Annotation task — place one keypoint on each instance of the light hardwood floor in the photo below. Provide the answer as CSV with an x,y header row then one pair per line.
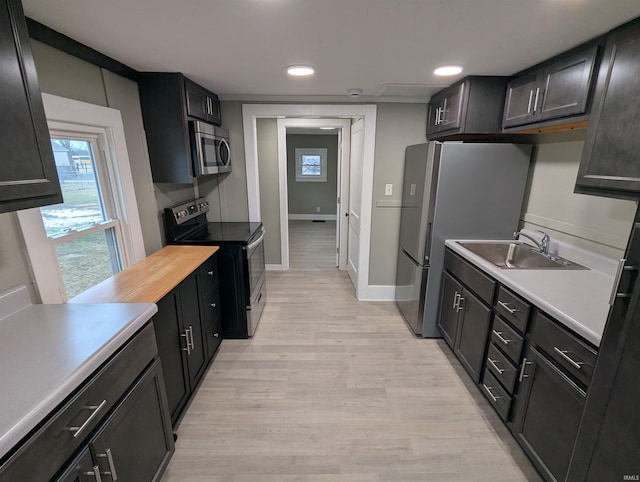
x,y
333,389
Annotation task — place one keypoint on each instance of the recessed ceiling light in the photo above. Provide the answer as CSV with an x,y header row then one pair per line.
x,y
327,128
300,70
447,70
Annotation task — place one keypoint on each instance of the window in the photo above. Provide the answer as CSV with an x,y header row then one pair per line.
x,y
84,229
96,231
311,165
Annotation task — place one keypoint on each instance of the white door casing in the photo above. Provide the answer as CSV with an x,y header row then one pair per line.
x,y
368,112
355,204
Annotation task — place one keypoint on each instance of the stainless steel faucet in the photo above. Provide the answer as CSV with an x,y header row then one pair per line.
x,y
543,245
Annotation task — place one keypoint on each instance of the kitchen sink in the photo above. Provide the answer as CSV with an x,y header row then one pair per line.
x,y
519,256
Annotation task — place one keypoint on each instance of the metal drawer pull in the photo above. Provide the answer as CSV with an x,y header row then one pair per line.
x,y
95,473
530,100
493,397
216,335
506,307
493,364
563,353
524,367
535,104
190,330
213,305
210,273
96,409
112,467
501,338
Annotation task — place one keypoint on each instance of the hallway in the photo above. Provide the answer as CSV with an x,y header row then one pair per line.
x,y
331,388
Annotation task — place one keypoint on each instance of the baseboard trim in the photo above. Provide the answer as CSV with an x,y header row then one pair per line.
x,y
311,217
379,293
274,267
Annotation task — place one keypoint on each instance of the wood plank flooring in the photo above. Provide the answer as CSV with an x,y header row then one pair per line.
x,y
333,389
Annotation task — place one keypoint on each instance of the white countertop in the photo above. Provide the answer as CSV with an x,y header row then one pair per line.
x,y
47,351
579,299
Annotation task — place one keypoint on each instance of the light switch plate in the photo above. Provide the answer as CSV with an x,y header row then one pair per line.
x,y
388,189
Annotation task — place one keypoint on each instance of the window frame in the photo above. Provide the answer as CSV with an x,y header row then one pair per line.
x,y
300,152
67,117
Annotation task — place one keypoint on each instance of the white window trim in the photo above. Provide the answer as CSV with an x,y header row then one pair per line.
x,y
305,151
71,115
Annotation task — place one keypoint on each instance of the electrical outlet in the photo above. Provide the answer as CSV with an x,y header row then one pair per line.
x,y
388,189
317,209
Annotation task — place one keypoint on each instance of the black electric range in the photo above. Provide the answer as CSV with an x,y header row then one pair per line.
x,y
241,264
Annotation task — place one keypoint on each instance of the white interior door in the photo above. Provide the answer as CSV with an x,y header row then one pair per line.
x,y
355,195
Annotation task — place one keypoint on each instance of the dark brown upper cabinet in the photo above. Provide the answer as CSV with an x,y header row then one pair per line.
x,y
556,89
28,177
609,164
472,106
169,101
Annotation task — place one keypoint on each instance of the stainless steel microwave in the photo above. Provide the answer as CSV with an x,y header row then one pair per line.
x,y
210,148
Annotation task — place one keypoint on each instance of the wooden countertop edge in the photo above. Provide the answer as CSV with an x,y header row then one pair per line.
x,y
149,280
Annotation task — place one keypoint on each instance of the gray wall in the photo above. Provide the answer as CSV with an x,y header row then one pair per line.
x,y
595,223
267,140
398,126
304,197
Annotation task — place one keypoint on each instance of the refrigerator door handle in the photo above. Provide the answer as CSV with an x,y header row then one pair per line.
x,y
427,249
411,260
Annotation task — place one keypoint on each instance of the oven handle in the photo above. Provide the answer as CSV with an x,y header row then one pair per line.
x,y
255,243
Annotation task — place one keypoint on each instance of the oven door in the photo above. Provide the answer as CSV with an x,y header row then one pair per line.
x,y
255,262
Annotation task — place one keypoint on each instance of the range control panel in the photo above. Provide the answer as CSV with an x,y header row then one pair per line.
x,y
189,210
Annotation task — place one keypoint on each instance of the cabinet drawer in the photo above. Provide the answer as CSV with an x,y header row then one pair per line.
x,y
496,395
575,356
478,282
502,368
54,443
507,339
512,308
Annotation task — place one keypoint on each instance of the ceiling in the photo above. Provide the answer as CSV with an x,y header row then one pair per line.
x,y
388,48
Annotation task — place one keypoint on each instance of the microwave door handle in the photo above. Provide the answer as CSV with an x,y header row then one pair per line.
x,y
226,145
198,162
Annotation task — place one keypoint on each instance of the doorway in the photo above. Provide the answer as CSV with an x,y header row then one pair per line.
x,y
306,113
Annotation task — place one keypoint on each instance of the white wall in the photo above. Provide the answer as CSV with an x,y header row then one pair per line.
x,y
594,223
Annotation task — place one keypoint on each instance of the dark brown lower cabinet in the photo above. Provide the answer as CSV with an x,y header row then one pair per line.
x,y
134,443
547,415
448,316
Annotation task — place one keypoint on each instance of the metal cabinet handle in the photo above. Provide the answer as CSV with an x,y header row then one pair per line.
x,y
112,467
456,298
530,100
493,364
501,338
95,473
186,337
96,409
507,307
190,330
522,370
213,305
493,397
563,354
460,304
216,335
616,282
210,273
535,103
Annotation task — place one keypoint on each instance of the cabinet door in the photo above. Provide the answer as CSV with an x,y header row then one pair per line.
x,y
28,176
197,101
192,324
565,88
449,308
473,331
518,105
136,442
452,108
81,469
548,415
610,156
171,340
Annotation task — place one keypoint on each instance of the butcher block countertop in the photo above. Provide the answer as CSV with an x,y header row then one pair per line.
x,y
149,280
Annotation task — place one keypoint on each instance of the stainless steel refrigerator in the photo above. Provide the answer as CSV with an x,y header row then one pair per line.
x,y
452,190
